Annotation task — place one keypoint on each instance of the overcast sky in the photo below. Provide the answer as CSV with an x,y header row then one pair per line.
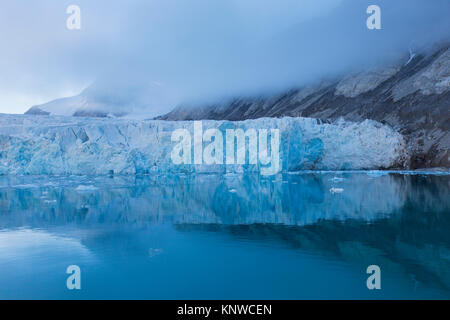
x,y
200,49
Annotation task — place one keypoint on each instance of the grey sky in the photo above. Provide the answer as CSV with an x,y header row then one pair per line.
x,y
200,49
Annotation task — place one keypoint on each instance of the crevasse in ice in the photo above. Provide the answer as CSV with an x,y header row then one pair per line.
x,y
68,145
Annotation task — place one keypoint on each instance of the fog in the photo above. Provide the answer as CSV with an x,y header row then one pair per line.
x,y
200,50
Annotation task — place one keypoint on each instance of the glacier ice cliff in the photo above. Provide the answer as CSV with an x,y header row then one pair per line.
x,y
69,145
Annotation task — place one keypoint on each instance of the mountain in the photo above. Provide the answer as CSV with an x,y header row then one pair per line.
x,y
412,97
106,98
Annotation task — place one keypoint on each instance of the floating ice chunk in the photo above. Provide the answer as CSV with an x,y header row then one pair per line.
x,y
377,173
336,190
154,252
337,179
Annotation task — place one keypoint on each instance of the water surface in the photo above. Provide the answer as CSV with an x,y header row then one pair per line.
x,y
292,236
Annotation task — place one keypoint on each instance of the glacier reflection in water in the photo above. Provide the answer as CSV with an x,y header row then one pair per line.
x,y
307,235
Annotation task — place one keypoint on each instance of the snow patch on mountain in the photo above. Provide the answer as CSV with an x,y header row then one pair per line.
x,y
355,85
106,98
435,79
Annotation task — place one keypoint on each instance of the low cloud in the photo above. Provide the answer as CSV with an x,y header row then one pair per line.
x,y
200,50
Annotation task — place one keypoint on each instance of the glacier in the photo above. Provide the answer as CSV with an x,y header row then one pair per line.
x,y
59,145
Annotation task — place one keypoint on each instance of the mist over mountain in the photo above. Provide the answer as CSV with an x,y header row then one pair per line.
x,y
136,97
411,96
201,51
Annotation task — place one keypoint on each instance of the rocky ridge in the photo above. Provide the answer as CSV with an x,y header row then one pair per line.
x,y
412,97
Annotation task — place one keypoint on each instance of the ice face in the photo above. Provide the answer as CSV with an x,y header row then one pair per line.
x,y
68,145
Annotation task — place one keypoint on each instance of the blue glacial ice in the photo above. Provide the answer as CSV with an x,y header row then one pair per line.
x,y
58,145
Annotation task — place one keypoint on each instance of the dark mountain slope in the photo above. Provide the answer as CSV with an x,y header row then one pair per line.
x,y
412,97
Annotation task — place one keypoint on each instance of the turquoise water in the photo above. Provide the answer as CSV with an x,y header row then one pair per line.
x,y
293,236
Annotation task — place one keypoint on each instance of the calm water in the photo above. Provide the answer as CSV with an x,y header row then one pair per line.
x,y
302,236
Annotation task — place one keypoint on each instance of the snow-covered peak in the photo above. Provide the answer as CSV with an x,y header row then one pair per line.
x,y
106,98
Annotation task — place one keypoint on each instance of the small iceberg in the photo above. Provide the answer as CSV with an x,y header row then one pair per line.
x,y
336,190
154,252
377,173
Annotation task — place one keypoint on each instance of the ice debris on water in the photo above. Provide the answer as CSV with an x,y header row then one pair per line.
x,y
376,173
337,179
336,190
